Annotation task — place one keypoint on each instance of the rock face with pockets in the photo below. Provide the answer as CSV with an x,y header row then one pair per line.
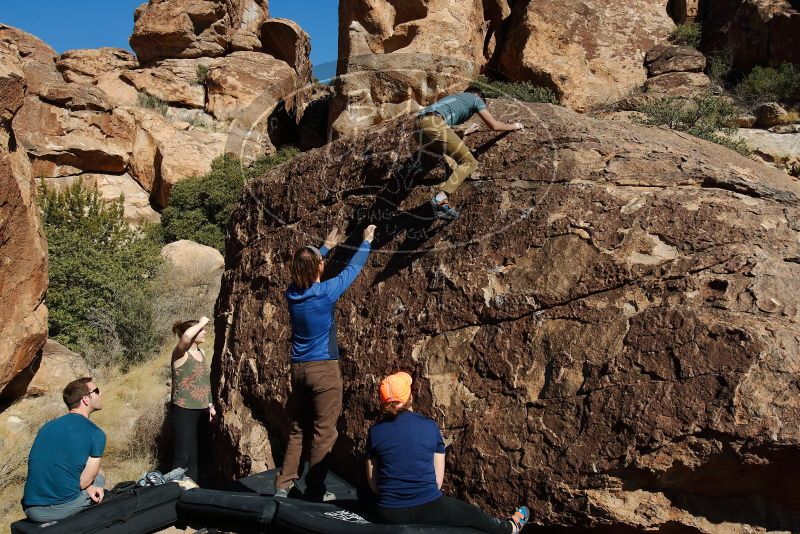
x,y
589,53
395,56
609,333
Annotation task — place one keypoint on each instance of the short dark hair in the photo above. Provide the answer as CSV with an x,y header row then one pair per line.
x,y
304,267
179,327
75,391
475,90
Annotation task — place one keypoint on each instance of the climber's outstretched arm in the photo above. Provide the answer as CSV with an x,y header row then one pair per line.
x,y
496,125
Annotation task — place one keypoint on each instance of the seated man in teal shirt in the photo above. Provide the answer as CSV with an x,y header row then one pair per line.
x,y
434,123
64,463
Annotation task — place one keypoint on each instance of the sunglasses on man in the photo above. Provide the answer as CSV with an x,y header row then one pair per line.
x,y
96,391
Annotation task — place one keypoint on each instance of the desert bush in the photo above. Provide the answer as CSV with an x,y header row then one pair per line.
x,y
688,34
148,101
101,292
201,73
767,84
200,208
523,91
719,68
704,116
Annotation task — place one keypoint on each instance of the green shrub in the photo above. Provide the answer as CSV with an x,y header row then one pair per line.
x,y
148,101
202,74
767,84
200,208
719,68
705,116
101,292
523,91
688,34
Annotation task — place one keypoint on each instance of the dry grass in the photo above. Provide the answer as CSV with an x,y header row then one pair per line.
x,y
134,406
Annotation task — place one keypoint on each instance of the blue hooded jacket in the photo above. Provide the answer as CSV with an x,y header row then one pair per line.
x,y
313,310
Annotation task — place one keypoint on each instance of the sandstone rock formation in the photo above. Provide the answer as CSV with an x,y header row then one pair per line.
x,y
57,367
666,58
187,256
100,116
609,333
590,53
191,29
87,65
285,40
198,269
23,250
396,56
779,149
771,114
755,32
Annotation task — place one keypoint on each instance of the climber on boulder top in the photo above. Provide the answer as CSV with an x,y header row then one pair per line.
x,y
435,134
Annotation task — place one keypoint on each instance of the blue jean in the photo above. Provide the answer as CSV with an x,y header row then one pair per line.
x,y
55,512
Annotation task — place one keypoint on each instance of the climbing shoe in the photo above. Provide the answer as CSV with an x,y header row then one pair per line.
x,y
442,210
520,518
284,492
317,497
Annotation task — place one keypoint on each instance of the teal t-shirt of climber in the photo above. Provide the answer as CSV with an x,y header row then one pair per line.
x,y
456,108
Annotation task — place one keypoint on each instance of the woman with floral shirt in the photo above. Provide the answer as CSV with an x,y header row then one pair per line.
x,y
191,392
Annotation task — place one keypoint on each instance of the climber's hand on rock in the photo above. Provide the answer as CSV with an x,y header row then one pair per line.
x,y
332,238
519,126
369,233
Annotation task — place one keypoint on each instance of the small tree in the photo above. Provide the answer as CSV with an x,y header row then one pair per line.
x,y
200,208
688,34
523,91
705,116
100,293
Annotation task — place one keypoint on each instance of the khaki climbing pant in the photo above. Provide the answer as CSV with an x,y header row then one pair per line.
x,y
436,136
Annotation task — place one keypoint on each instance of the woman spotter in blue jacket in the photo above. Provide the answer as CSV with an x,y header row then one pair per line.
x,y
315,402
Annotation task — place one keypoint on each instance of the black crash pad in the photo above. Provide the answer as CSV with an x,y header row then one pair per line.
x,y
136,511
264,484
343,517
225,509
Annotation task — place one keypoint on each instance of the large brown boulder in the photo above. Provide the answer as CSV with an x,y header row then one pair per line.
x,y
33,56
57,367
589,53
63,142
285,40
174,81
89,64
23,262
666,58
397,56
753,32
196,28
162,155
609,333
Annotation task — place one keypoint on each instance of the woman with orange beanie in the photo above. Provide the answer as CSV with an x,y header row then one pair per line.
x,y
405,468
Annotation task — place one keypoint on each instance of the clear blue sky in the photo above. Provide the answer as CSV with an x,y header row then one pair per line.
x,y
68,24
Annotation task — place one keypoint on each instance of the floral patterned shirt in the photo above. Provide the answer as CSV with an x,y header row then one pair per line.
x,y
191,383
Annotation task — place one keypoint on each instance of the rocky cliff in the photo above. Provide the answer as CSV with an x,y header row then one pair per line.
x,y
609,333
752,32
208,78
397,56
211,77
23,250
